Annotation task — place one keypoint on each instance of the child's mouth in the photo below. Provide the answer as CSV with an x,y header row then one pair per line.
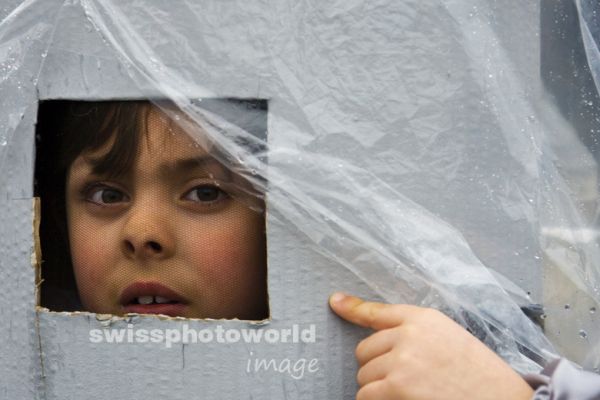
x,y
145,300
152,298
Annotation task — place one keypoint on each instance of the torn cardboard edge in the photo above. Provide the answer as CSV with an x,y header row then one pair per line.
x,y
36,256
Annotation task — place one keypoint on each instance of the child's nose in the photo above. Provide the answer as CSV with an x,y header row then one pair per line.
x,y
146,234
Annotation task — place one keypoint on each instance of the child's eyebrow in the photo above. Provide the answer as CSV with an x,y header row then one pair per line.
x,y
206,163
184,164
167,169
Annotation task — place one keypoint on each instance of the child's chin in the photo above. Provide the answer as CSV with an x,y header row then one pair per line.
x,y
170,309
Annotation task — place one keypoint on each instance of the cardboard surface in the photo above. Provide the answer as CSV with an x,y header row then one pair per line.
x,y
411,91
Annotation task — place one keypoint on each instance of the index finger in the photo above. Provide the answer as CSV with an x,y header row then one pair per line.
x,y
369,314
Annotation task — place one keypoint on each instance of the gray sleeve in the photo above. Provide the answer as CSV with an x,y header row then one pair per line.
x,y
561,380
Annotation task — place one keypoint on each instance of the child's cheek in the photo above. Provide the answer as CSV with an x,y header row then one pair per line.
x,y
90,256
229,254
220,257
85,262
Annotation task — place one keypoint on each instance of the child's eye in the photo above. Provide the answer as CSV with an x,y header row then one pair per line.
x,y
105,195
205,194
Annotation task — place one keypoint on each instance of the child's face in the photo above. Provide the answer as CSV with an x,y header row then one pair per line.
x,y
168,232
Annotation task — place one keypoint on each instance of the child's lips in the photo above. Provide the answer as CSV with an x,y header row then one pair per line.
x,y
152,298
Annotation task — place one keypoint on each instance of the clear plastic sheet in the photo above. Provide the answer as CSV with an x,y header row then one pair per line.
x,y
421,151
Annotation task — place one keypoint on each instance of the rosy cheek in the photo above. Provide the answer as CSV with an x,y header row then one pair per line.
x,y
85,266
89,264
228,257
216,260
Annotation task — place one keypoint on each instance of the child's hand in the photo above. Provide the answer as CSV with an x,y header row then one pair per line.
x,y
419,353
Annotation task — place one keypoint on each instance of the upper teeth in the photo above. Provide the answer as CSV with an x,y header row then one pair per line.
x,y
152,299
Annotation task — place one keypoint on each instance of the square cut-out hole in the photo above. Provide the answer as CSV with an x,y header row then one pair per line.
x,y
142,210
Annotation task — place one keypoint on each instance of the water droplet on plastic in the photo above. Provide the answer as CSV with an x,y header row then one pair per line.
x,y
543,316
3,142
582,334
567,306
592,310
44,54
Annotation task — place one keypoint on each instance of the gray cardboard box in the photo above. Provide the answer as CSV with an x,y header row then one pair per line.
x,y
415,155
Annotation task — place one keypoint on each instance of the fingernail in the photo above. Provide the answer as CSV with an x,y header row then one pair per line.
x,y
337,297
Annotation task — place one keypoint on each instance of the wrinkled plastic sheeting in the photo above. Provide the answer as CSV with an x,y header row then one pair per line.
x,y
416,145
589,17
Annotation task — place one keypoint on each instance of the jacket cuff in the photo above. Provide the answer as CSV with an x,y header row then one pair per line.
x,y
561,380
